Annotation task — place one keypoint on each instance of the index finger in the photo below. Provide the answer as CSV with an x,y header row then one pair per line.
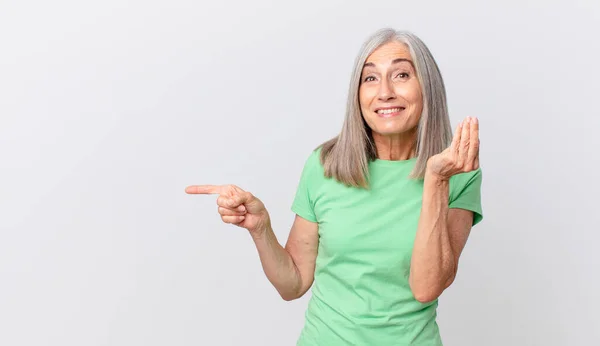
x,y
456,138
203,189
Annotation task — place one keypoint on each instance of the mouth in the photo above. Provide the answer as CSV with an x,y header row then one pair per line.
x,y
389,112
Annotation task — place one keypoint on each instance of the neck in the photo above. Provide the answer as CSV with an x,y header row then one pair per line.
x,y
395,147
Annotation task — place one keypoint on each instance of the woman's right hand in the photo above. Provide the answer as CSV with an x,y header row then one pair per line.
x,y
237,207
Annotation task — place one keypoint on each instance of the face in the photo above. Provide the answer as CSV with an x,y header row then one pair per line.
x,y
390,94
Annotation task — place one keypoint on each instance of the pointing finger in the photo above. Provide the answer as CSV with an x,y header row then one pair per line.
x,y
204,189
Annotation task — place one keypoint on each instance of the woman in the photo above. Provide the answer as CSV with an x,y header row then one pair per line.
x,y
383,210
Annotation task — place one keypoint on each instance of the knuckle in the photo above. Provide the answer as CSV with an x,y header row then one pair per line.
x,y
235,188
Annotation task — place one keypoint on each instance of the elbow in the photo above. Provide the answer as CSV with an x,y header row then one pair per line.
x,y
288,297
426,296
427,293
293,292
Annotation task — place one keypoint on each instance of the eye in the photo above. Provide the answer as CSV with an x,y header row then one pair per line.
x,y
403,75
369,79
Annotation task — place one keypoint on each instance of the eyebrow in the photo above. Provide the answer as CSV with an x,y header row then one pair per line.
x,y
396,61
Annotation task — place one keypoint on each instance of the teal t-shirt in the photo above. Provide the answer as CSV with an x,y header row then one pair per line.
x,y
361,295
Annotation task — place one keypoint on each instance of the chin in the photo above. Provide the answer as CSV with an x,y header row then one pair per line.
x,y
392,126
393,130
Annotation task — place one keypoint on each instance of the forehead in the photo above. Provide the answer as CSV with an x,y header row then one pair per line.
x,y
389,52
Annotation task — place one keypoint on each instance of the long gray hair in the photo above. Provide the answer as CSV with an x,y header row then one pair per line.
x,y
346,157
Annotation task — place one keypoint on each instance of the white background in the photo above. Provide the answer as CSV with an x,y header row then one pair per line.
x,y
109,109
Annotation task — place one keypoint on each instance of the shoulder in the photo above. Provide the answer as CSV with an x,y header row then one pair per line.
x,y
314,160
312,168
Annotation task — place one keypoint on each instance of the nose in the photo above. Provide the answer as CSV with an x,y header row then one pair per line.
x,y
386,91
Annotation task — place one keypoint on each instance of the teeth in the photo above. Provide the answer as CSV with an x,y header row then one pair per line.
x,y
388,111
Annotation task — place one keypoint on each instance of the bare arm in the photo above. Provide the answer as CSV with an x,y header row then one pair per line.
x,y
290,269
443,232
440,239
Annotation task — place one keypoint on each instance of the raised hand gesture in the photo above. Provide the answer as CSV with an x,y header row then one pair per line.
x,y
461,156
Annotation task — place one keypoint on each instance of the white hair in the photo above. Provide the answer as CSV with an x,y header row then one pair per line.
x,y
346,156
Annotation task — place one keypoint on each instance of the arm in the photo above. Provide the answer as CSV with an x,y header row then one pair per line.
x,y
443,232
290,269
441,237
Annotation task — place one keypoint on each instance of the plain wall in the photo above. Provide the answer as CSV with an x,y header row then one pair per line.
x,y
110,109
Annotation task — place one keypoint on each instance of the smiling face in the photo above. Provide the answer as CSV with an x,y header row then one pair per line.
x,y
390,94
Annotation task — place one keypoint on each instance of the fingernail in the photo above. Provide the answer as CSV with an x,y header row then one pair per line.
x,y
475,121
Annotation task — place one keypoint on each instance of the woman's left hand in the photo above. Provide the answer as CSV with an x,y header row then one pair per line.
x,y
461,156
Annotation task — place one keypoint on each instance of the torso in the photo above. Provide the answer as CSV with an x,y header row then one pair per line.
x,y
361,294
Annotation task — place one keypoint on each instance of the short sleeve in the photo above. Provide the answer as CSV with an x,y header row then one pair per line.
x,y
303,203
465,193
